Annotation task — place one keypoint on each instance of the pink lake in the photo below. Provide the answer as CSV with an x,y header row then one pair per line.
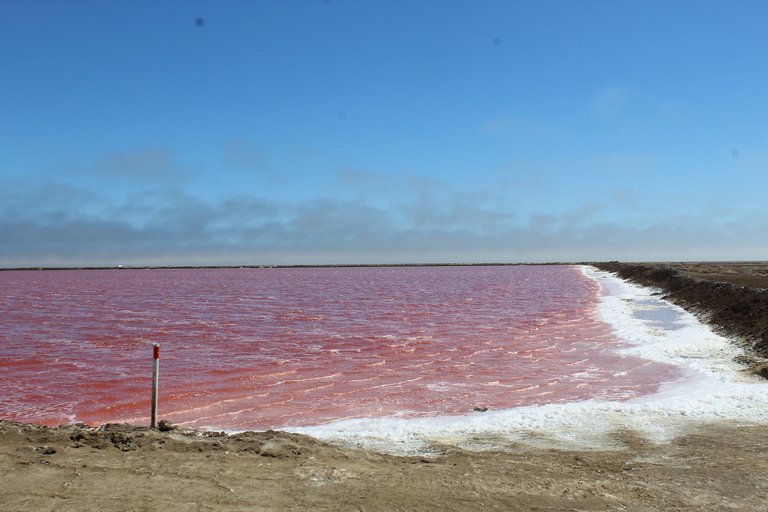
x,y
246,349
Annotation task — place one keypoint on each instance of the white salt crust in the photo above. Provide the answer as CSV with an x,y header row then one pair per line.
x,y
714,387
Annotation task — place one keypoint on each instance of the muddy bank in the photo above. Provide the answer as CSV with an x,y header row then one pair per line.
x,y
735,311
717,466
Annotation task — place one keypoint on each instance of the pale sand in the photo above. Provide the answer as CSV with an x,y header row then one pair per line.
x,y
720,466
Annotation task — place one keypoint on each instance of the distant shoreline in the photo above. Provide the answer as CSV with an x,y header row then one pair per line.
x,y
328,265
680,265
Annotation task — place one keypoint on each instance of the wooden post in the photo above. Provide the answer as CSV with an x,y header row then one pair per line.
x,y
155,368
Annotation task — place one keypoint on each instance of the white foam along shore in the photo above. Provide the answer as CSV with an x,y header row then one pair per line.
x,y
715,387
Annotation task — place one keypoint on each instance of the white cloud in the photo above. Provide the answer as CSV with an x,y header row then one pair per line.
x,y
173,227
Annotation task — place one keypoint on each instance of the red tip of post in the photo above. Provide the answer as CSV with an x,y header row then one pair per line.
x,y
157,352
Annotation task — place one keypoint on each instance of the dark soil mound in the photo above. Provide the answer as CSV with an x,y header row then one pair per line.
x,y
735,311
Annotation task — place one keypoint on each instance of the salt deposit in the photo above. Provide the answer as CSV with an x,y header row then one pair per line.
x,y
713,387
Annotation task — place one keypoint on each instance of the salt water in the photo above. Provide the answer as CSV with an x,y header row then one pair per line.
x,y
392,358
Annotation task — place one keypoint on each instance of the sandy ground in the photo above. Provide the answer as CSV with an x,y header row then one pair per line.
x,y
719,466
740,273
714,466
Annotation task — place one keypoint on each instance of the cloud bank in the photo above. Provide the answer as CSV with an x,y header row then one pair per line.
x,y
63,225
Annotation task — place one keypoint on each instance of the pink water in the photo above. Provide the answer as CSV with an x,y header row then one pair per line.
x,y
266,348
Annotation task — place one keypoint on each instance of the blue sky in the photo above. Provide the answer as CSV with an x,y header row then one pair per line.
x,y
355,131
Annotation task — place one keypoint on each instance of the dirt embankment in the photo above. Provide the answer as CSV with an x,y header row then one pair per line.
x,y
717,466
733,310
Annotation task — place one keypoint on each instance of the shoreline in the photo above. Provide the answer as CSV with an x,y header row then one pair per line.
x,y
332,265
745,273
734,311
